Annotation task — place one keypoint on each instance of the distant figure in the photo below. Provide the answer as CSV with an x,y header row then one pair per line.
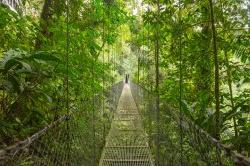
x,y
126,78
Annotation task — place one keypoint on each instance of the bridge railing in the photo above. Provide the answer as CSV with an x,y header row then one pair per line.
x,y
197,146
73,139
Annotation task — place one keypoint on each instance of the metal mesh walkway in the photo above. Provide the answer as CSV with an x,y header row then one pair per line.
x,y
126,144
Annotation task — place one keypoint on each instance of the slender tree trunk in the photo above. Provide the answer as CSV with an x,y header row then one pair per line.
x,y
216,74
44,23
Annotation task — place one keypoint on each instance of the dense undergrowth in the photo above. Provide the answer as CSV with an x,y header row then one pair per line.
x,y
36,76
208,68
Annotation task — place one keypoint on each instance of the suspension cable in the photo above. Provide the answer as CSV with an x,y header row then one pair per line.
x,y
148,42
157,52
138,48
143,48
67,79
180,81
67,57
103,80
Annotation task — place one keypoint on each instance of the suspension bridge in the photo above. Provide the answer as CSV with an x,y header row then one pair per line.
x,y
133,131
127,143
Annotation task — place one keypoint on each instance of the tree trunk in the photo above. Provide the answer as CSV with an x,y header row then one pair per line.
x,y
216,74
204,66
44,23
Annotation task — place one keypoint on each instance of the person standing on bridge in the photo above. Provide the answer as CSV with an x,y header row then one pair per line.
x,y
126,78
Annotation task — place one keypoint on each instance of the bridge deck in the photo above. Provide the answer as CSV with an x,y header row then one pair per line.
x,y
126,143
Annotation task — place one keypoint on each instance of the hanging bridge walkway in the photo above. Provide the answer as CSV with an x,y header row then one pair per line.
x,y
128,137
127,143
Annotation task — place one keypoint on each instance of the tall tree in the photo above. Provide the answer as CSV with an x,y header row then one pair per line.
x,y
46,15
216,73
204,63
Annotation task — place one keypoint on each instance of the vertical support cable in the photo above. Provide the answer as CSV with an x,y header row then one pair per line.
x,y
143,56
67,82
148,42
149,100
137,43
143,48
113,71
113,61
108,36
157,52
67,59
180,82
93,113
103,81
138,69
93,120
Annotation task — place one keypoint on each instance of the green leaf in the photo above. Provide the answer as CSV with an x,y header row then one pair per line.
x,y
18,120
15,84
12,63
46,56
26,66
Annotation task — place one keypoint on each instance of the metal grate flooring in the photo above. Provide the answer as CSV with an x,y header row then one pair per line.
x,y
126,143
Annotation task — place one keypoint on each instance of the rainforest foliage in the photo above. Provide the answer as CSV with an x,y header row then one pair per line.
x,y
34,76
193,54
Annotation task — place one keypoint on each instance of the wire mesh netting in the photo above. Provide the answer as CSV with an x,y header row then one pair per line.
x,y
198,147
74,139
79,138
